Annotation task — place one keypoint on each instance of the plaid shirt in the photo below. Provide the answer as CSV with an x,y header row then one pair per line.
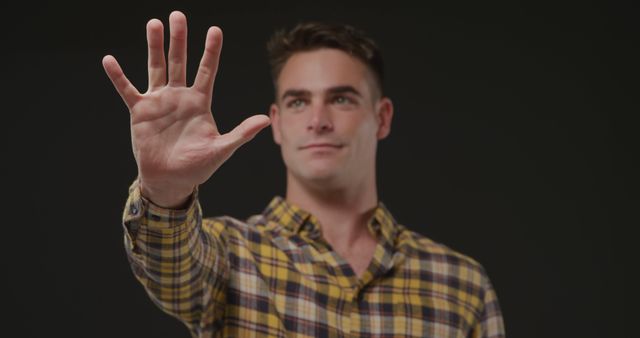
x,y
275,276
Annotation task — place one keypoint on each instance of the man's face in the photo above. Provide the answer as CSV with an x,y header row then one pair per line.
x,y
328,118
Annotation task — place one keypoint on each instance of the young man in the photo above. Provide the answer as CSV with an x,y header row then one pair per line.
x,y
327,260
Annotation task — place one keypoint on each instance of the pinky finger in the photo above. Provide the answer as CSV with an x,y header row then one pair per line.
x,y
130,95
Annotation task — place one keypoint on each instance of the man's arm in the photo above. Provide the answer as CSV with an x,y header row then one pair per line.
x,y
490,324
177,147
181,264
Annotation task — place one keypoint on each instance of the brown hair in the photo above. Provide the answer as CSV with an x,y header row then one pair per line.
x,y
308,36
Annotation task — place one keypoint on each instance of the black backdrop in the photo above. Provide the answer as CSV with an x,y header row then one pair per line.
x,y
511,143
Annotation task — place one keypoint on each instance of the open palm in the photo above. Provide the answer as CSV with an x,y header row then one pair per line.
x,y
175,139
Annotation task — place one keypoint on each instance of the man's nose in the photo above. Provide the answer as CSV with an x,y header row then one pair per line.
x,y
320,120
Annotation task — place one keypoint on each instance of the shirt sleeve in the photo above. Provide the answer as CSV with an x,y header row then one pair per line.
x,y
182,266
490,323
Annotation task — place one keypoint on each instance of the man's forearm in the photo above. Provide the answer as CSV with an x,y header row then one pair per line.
x,y
163,245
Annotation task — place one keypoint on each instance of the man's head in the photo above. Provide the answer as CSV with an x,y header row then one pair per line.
x,y
311,36
329,110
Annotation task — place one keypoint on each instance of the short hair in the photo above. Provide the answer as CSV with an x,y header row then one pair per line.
x,y
309,36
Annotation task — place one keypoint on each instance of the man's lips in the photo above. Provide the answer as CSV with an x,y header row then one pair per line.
x,y
322,145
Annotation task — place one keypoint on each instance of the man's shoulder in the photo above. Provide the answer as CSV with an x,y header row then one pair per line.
x,y
434,255
254,225
227,222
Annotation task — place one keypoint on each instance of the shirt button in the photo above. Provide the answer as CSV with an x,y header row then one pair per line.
x,y
134,209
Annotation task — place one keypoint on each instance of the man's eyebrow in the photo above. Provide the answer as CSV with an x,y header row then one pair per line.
x,y
344,89
295,93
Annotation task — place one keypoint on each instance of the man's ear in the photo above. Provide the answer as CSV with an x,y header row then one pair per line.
x,y
274,114
384,114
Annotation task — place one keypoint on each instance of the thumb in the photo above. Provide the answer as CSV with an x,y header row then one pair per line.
x,y
247,130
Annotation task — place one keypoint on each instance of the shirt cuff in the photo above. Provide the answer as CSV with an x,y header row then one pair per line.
x,y
140,211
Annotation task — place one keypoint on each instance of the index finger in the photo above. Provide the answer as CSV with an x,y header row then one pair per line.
x,y
209,62
127,91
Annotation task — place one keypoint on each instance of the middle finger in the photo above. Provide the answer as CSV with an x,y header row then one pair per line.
x,y
178,49
156,63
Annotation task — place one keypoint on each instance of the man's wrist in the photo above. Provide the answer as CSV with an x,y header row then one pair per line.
x,y
167,198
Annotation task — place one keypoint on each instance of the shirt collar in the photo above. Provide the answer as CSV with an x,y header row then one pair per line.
x,y
294,219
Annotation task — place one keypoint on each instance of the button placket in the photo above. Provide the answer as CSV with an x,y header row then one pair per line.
x,y
348,296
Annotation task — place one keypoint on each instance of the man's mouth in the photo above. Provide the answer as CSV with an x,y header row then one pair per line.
x,y
322,145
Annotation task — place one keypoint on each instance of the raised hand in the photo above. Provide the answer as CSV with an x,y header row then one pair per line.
x,y
175,140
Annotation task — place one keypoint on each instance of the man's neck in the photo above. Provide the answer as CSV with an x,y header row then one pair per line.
x,y
343,212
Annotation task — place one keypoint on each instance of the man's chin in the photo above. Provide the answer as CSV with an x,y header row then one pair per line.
x,y
321,178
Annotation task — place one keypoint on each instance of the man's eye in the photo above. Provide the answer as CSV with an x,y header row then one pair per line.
x,y
342,100
297,103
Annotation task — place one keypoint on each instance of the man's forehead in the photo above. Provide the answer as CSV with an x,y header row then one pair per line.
x,y
320,71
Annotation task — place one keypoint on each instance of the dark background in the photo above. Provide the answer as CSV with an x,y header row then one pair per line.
x,y
511,142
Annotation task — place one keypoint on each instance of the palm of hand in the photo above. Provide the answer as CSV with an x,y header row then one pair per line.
x,y
175,140
174,134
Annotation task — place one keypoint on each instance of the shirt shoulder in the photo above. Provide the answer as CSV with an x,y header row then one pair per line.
x,y
438,258
457,283
229,225
239,232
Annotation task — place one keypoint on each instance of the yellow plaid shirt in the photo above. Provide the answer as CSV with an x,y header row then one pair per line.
x,y
274,276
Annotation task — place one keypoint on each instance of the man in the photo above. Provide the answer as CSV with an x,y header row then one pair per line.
x,y
327,260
